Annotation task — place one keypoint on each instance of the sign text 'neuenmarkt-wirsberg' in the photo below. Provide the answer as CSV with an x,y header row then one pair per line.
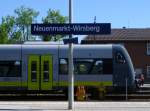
x,y
76,29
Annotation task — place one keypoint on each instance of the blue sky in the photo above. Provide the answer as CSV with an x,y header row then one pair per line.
x,y
120,13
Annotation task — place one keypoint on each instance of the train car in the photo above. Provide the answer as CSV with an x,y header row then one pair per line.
x,y
44,68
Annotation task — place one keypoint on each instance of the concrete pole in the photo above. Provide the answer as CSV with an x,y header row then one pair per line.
x,y
70,56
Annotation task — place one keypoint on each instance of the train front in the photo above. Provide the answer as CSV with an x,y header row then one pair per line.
x,y
123,71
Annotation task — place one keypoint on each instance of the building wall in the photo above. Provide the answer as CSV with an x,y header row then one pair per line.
x,y
138,54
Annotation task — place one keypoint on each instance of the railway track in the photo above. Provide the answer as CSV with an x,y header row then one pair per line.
x,y
49,97
32,97
143,94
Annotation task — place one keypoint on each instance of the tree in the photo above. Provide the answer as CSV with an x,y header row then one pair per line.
x,y
25,17
3,34
8,30
53,16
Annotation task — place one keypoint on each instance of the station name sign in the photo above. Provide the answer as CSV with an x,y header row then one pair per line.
x,y
75,28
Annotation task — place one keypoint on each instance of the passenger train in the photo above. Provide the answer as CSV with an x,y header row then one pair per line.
x,y
43,67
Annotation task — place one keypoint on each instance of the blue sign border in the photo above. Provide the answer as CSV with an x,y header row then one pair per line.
x,y
75,28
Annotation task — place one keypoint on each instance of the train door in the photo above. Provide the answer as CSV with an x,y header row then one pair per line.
x,y
40,72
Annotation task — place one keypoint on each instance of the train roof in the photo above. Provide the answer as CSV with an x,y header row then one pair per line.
x,y
88,51
8,48
16,46
42,43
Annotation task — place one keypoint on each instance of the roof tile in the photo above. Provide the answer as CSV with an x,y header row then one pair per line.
x,y
123,34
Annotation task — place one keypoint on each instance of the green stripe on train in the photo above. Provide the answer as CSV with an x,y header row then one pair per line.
x,y
16,83
87,83
61,83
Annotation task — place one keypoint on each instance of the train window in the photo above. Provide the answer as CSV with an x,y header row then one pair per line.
x,y
46,71
17,63
107,66
88,66
63,66
82,66
120,58
10,68
34,71
93,66
98,67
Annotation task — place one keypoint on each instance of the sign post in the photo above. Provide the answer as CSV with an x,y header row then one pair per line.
x,y
70,56
70,29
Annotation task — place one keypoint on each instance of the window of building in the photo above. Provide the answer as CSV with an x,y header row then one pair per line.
x,y
10,69
148,71
88,66
148,48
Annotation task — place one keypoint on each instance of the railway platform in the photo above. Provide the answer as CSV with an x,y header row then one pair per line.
x,y
79,106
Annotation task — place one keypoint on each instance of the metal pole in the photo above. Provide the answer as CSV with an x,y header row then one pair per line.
x,y
70,56
94,35
126,89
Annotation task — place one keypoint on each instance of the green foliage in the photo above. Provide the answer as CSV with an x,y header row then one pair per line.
x,y
3,34
25,17
15,38
7,29
15,29
54,16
